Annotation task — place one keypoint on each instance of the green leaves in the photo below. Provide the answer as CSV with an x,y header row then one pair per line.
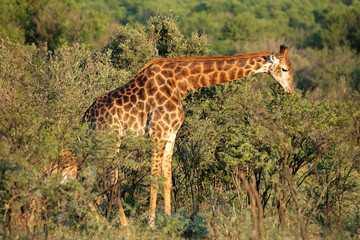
x,y
300,142
132,47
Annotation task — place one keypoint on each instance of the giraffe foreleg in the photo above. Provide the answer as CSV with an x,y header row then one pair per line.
x,y
156,165
166,172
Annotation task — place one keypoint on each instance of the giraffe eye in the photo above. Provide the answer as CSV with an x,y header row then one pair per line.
x,y
284,69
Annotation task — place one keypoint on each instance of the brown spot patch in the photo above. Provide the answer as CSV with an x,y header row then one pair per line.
x,y
166,118
203,81
150,87
248,66
126,99
115,94
157,115
150,83
127,107
241,64
175,125
194,81
223,77
131,120
170,106
183,64
170,83
240,73
167,73
151,102
134,90
161,109
232,74
142,118
135,126
227,67
155,68
194,64
169,65
182,74
140,105
195,70
166,90
220,65
160,98
209,66
214,78
133,98
182,86
252,61
177,69
134,111
173,115
141,94
141,80
119,101
160,80
149,72
147,107
152,91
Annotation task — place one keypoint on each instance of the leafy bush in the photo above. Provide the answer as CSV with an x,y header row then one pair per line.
x,y
131,48
301,152
43,96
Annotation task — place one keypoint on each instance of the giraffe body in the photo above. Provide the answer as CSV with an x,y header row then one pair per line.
x,y
151,102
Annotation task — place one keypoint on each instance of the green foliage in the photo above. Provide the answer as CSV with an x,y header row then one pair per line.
x,y
302,149
43,96
266,133
328,72
339,26
53,23
132,48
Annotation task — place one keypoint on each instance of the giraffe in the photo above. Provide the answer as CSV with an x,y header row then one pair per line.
x,y
151,101
66,164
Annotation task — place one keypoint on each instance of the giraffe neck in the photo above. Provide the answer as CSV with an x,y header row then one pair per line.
x,y
196,72
212,72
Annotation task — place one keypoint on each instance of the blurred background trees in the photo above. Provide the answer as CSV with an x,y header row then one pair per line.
x,y
300,151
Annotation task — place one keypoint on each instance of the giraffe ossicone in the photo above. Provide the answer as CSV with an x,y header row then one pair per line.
x,y
151,101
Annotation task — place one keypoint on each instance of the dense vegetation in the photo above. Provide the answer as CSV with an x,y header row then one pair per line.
x,y
249,161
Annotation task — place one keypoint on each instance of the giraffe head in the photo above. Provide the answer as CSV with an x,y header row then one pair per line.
x,y
280,69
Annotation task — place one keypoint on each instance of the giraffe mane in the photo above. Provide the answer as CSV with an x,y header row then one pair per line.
x,y
191,59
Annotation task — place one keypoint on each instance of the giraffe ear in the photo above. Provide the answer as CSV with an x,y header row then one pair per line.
x,y
273,59
284,50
